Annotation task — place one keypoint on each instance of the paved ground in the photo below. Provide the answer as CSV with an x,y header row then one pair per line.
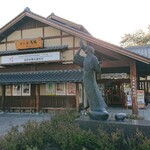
x,y
7,120
145,113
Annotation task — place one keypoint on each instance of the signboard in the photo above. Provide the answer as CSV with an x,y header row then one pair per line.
x,y
114,76
129,101
29,43
8,91
71,88
140,98
16,90
26,88
60,89
50,89
28,58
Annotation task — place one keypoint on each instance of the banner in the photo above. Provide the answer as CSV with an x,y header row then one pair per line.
x,y
71,88
60,89
17,90
50,89
26,88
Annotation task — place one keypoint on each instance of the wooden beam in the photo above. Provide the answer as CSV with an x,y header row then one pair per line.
x,y
115,63
133,83
37,97
3,98
105,51
104,57
13,28
77,97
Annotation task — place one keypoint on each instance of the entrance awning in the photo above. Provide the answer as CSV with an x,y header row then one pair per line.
x,y
41,77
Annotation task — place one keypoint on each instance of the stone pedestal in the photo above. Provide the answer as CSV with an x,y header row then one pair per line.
x,y
129,127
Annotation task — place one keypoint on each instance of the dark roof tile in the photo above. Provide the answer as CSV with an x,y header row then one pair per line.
x,y
42,76
140,50
46,49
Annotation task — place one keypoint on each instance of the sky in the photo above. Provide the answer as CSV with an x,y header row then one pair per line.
x,y
107,20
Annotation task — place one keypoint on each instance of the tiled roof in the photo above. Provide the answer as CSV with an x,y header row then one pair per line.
x,y
42,76
46,49
67,27
68,23
140,50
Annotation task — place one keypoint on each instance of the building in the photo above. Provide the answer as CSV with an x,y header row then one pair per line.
x,y
37,71
144,77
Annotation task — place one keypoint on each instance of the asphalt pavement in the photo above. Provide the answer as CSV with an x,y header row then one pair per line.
x,y
8,120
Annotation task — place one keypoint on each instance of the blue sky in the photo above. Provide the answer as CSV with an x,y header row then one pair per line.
x,y
107,20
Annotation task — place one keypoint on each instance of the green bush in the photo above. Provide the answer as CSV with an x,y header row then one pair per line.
x,y
62,133
134,117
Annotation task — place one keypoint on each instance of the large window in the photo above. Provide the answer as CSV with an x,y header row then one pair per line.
x,y
144,84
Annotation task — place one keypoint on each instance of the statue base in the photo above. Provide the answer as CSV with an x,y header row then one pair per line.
x,y
129,127
98,115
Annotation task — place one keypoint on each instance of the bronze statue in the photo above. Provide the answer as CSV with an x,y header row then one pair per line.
x,y
91,65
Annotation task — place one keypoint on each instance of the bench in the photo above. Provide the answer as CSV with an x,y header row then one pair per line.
x,y
46,109
21,109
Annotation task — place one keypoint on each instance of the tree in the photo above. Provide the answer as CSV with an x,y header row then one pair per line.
x,y
137,38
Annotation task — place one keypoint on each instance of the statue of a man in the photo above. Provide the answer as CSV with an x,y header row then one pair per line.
x,y
91,66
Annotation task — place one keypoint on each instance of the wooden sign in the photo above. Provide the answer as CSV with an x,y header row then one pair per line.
x,y
29,43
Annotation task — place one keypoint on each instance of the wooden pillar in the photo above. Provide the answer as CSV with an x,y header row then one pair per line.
x,y
3,98
37,97
77,97
133,83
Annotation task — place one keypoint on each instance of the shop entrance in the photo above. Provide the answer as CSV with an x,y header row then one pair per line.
x,y
114,93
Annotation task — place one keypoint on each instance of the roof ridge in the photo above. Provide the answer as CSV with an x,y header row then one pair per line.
x,y
138,46
89,38
68,22
53,16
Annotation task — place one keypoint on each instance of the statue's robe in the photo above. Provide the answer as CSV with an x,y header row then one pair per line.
x,y
90,66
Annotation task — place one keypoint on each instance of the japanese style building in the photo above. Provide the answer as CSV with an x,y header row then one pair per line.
x,y
37,72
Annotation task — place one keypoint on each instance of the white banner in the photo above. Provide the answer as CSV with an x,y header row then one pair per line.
x,y
114,76
17,90
26,89
27,58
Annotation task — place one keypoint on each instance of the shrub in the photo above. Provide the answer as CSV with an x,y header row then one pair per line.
x,y
134,117
62,133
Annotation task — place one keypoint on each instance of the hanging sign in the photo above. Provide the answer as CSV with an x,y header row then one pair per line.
x,y
29,43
